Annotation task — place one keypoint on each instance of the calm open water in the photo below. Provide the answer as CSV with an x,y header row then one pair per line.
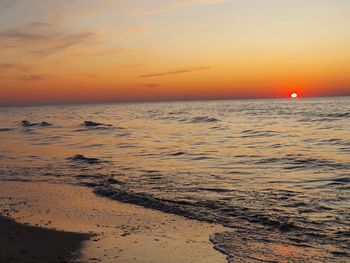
x,y
276,171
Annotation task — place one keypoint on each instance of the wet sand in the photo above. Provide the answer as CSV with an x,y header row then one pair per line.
x,y
61,223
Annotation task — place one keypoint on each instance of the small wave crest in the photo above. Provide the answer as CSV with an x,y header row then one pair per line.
x,y
5,129
203,119
87,160
98,126
177,154
298,161
183,119
95,124
27,124
339,115
255,134
325,117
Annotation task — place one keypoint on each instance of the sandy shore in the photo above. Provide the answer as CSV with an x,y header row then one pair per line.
x,y
71,224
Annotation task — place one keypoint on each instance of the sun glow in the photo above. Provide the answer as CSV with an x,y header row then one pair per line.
x,y
294,95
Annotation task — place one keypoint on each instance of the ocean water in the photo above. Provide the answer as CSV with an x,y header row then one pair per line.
x,y
277,172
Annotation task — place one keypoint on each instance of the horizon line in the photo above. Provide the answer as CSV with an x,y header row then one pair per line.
x,y
115,101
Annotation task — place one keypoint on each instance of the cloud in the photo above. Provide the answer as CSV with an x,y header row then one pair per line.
x,y
185,3
34,77
10,66
181,71
178,5
151,85
201,2
113,52
41,39
64,42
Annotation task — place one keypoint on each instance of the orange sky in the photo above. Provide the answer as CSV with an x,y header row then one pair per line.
x,y
90,50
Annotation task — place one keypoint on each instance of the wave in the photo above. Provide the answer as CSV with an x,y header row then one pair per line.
x,y
203,119
216,190
145,200
340,142
82,159
254,134
324,117
298,161
95,124
98,126
177,154
5,129
205,210
198,119
249,226
335,180
26,123
339,115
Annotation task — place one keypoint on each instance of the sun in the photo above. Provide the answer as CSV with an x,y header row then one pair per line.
x,y
294,95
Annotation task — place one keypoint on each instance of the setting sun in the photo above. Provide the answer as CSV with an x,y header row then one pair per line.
x,y
294,95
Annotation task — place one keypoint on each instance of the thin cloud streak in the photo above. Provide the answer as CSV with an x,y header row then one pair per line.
x,y
42,39
34,77
64,43
9,66
182,71
151,85
114,52
175,6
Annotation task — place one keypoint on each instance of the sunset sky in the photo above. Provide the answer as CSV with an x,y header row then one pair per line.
x,y
102,50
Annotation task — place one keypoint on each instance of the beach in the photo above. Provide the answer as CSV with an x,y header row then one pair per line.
x,y
63,223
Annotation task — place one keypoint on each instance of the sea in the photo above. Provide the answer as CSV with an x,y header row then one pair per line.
x,y
275,172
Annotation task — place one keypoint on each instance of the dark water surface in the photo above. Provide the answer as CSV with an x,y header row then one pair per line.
x,y
276,171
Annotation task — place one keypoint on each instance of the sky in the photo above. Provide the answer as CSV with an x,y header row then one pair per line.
x,y
58,51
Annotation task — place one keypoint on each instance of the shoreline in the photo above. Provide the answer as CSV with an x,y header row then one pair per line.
x,y
104,230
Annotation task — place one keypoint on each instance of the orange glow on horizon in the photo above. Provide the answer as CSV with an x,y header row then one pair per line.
x,y
100,52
